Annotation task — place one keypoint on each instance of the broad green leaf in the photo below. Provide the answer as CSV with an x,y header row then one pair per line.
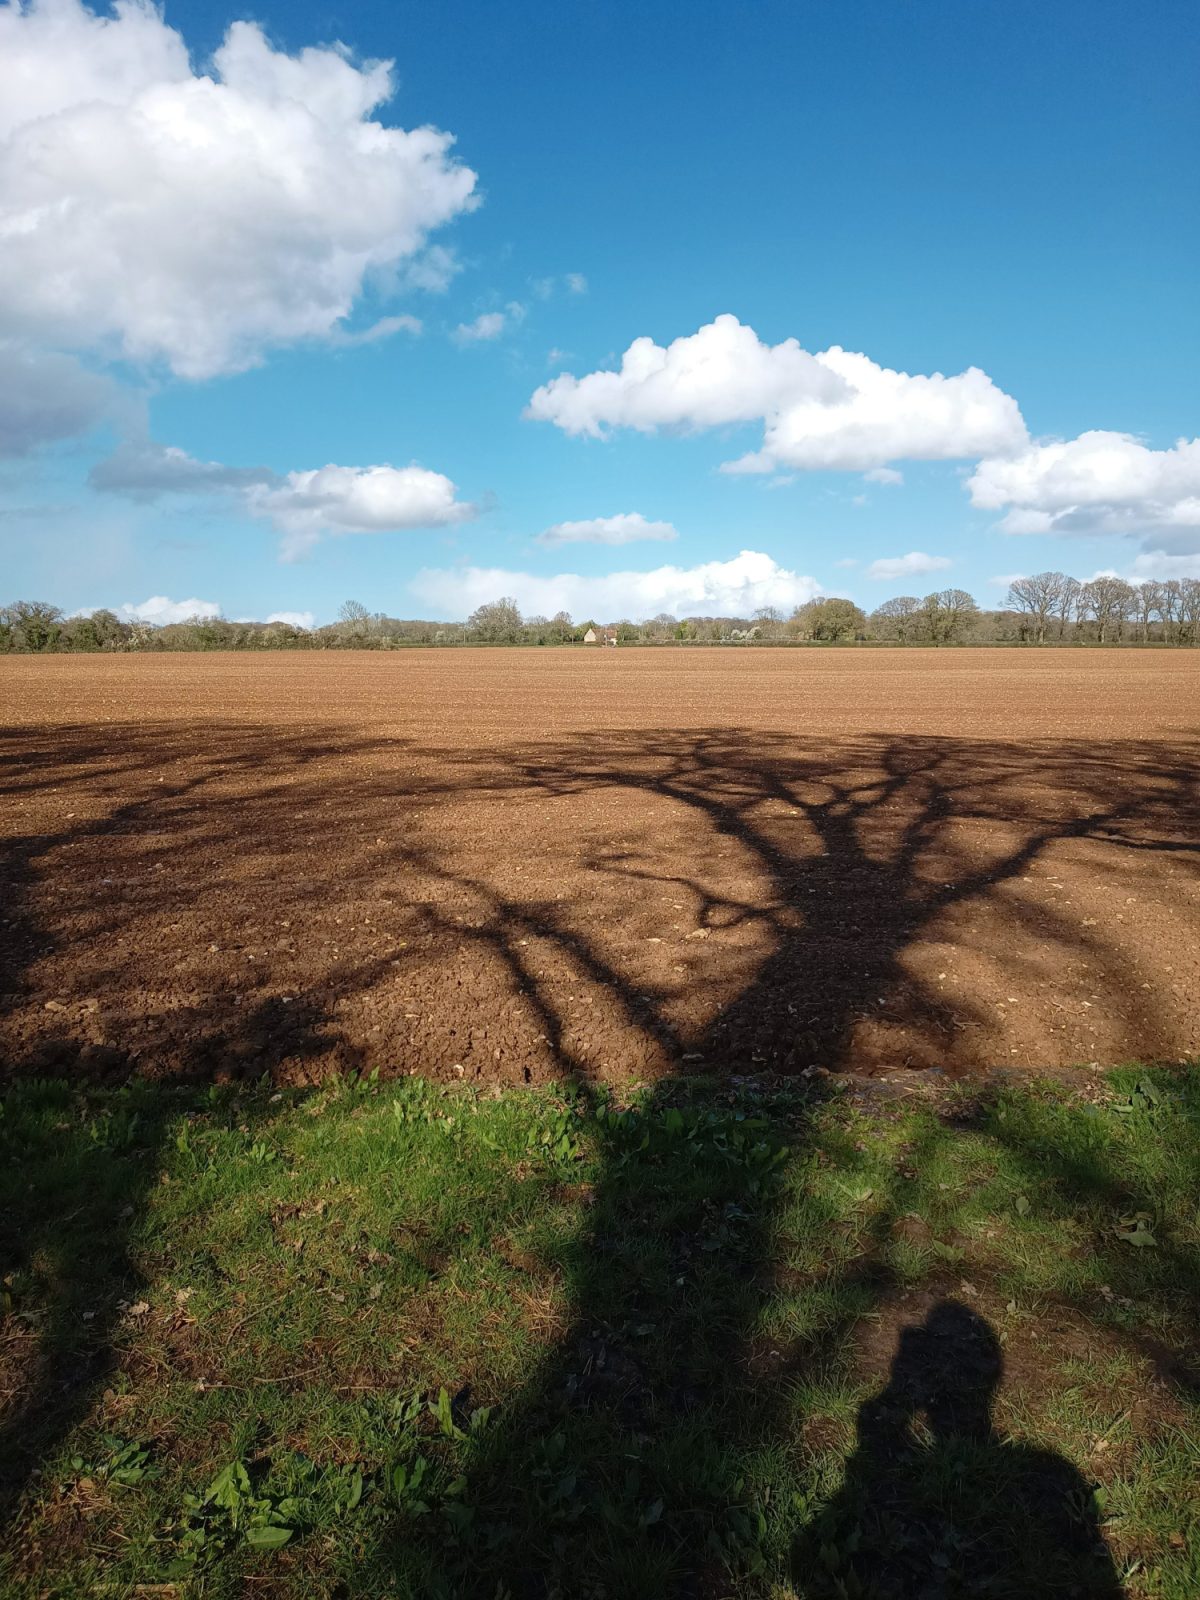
x,y
270,1537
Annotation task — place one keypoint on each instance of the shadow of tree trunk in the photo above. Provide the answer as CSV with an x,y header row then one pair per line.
x,y
632,1438
822,882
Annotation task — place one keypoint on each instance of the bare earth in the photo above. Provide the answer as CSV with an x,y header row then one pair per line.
x,y
512,864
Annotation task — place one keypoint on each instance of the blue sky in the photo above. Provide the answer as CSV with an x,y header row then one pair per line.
x,y
237,277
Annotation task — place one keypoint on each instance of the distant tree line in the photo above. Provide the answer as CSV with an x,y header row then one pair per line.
x,y
1050,608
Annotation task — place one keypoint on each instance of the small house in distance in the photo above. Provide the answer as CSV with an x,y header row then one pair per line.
x,y
597,635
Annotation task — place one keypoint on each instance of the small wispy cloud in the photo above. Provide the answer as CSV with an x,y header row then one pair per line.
x,y
908,566
627,527
547,288
385,328
489,325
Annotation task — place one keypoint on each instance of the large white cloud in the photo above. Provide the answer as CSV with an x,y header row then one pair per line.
x,y
735,588
199,218
627,527
836,409
722,374
1101,482
888,416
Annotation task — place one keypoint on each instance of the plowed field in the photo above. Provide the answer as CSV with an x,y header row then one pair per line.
x,y
511,864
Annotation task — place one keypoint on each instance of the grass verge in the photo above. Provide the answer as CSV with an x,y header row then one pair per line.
x,y
715,1338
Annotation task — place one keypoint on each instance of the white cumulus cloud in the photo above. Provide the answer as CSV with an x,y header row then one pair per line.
x,y
333,499
714,588
197,217
888,416
721,374
835,410
913,564
294,619
303,506
627,527
159,609
1101,482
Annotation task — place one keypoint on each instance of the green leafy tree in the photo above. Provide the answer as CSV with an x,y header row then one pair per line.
x,y
498,622
829,620
33,624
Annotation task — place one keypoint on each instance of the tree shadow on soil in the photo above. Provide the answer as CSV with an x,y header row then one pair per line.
x,y
828,867
856,856
628,1447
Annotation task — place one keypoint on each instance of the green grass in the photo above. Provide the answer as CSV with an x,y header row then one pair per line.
x,y
715,1339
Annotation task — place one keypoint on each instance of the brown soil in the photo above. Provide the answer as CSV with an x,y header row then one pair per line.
x,y
514,864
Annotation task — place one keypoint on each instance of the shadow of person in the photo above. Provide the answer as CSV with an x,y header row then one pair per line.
x,y
935,1503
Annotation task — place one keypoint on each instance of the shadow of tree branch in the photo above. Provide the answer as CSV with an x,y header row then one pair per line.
x,y
232,900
